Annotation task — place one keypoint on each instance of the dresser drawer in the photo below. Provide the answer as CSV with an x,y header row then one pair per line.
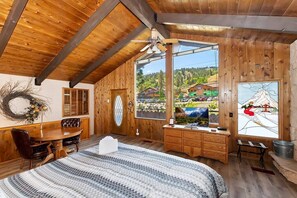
x,y
194,143
214,138
173,133
215,146
192,151
215,155
170,139
172,147
192,135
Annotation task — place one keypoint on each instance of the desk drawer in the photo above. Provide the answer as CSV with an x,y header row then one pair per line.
x,y
214,138
173,133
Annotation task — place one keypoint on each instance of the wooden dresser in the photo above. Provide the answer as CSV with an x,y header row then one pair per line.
x,y
197,142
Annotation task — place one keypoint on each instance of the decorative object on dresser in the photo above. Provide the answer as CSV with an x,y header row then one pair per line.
x,y
197,141
71,122
29,149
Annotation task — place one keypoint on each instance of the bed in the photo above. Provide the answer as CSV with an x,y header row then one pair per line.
x,y
130,172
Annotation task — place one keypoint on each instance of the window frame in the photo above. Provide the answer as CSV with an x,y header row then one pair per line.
x,y
280,112
213,46
135,94
78,103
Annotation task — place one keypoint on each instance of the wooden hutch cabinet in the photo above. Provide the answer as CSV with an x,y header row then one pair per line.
x,y
75,102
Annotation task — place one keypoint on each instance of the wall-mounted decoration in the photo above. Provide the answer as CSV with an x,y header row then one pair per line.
x,y
10,92
258,111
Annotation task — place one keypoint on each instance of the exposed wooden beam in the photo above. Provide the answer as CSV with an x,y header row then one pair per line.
x,y
268,23
108,54
11,22
85,30
145,14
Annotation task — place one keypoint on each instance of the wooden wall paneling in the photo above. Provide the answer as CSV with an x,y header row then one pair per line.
x,y
222,74
228,84
157,130
251,60
235,79
130,79
259,59
286,90
282,68
268,61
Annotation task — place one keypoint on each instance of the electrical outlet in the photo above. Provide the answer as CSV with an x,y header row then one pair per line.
x,y
137,132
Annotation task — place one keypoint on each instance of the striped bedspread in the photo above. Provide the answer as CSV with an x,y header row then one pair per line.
x,y
130,172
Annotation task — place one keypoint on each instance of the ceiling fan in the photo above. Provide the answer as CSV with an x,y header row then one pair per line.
x,y
155,43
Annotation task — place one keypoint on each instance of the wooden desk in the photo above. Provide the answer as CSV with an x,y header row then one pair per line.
x,y
56,136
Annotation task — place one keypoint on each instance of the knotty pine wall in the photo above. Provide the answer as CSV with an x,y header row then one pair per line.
x,y
122,78
240,61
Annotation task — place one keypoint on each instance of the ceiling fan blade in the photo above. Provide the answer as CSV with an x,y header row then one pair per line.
x,y
140,41
145,48
161,47
170,40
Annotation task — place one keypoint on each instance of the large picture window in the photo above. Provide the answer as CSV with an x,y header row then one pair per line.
x,y
196,87
150,87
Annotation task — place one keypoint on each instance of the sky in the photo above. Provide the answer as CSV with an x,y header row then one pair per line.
x,y
201,59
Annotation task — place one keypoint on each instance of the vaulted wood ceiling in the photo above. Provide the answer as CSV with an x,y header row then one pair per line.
x,y
46,27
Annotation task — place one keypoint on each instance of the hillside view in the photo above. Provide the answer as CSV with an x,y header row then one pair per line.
x,y
183,79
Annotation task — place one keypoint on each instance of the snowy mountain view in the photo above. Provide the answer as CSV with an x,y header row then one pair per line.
x,y
258,114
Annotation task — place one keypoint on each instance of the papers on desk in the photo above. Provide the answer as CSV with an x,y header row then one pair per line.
x,y
108,145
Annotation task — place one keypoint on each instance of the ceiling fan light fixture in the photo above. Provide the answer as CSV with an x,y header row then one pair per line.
x,y
149,51
158,51
155,48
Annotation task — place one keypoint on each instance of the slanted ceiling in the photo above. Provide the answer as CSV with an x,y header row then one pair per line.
x,y
46,27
